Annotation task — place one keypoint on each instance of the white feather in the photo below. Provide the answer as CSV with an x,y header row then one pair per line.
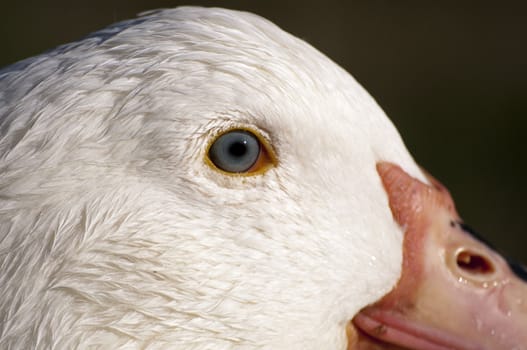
x,y
114,232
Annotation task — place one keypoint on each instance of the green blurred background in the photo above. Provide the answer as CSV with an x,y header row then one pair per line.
x,y
452,75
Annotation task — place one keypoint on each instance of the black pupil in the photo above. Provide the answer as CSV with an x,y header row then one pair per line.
x,y
238,149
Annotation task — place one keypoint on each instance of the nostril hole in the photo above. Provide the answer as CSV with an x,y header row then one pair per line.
x,y
474,263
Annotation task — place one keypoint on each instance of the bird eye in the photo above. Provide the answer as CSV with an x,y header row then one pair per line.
x,y
238,151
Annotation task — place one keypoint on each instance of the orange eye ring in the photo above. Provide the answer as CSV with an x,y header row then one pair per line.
x,y
240,151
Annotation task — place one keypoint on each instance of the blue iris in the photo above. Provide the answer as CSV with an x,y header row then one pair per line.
x,y
235,151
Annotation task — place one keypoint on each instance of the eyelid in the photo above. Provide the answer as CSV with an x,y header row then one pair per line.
x,y
266,159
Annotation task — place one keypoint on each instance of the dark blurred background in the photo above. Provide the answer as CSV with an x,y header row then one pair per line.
x,y
452,75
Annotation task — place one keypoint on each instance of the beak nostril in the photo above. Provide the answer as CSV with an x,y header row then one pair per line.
x,y
474,263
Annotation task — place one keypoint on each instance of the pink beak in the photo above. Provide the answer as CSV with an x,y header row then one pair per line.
x,y
455,292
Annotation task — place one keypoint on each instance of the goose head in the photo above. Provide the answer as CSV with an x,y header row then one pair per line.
x,y
200,179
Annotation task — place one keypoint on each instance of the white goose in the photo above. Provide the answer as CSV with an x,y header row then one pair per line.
x,y
200,179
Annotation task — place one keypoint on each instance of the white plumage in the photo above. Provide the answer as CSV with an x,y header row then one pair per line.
x,y
114,231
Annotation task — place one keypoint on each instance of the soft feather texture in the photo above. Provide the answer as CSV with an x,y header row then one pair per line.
x,y
114,232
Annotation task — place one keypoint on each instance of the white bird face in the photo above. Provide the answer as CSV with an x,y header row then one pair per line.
x,y
119,227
